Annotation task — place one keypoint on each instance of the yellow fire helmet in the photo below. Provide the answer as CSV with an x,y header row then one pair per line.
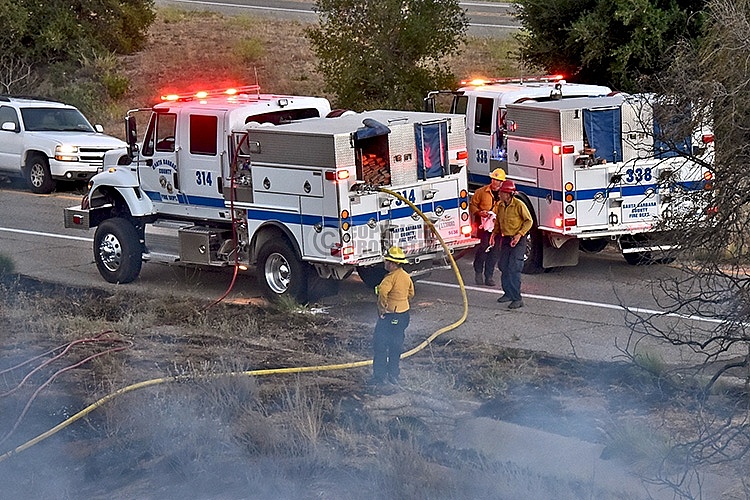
x,y
395,254
498,174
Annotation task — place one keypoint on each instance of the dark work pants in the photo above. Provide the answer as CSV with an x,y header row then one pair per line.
x,y
510,262
484,261
388,344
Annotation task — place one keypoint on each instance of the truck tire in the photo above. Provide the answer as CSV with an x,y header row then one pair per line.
x,y
37,174
118,250
639,258
371,276
593,246
533,257
281,273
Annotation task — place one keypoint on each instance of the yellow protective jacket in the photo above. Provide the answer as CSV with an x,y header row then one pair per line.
x,y
512,219
394,292
482,199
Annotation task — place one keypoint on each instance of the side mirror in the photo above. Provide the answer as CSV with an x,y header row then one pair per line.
x,y
429,103
131,134
10,127
99,128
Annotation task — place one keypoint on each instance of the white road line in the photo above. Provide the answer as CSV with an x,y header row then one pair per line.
x,y
240,6
600,305
548,298
48,235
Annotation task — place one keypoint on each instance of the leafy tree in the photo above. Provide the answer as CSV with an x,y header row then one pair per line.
x,y
386,53
609,42
37,35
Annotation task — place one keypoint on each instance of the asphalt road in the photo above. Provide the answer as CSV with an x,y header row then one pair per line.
x,y
485,18
577,311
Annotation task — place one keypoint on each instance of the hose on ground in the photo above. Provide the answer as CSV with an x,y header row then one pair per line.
x,y
269,371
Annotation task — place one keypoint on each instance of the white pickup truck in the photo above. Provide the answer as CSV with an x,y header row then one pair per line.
x,y
45,141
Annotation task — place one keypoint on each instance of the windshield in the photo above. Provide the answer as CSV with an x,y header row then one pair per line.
x,y
55,119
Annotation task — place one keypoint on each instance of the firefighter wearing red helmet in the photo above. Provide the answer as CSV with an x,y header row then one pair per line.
x,y
513,223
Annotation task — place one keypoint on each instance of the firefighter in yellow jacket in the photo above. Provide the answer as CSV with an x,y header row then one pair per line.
x,y
394,293
482,208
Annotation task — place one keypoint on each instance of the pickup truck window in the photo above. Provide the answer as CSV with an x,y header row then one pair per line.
x,y
8,114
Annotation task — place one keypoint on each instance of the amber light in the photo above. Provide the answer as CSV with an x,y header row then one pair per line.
x,y
569,197
464,205
345,214
568,186
463,193
707,176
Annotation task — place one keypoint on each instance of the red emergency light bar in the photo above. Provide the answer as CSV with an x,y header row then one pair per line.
x,y
517,79
204,94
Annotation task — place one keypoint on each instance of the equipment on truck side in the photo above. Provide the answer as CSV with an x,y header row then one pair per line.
x,y
484,102
250,179
598,169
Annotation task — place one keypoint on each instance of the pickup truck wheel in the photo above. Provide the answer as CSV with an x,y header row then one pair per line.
x,y
281,273
38,175
118,250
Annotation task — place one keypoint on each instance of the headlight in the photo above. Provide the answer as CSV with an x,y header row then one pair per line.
x,y
66,153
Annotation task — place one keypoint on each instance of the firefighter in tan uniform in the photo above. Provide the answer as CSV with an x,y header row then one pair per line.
x,y
482,210
394,293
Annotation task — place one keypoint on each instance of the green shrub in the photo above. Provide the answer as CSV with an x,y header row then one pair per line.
x,y
6,265
248,50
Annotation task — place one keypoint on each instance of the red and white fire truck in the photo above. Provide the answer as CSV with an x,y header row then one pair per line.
x,y
248,179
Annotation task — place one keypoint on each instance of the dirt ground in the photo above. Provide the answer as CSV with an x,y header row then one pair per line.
x,y
208,430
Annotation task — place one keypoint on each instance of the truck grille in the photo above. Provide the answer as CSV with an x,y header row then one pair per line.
x,y
92,156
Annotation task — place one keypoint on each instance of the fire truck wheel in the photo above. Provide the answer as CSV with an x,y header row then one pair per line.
x,y
638,258
281,273
38,176
117,250
593,246
371,275
533,257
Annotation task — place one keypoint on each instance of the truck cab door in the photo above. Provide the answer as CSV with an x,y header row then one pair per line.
x,y
479,123
158,166
11,141
202,159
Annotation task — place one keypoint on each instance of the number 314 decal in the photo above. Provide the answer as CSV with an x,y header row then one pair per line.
x,y
203,178
638,174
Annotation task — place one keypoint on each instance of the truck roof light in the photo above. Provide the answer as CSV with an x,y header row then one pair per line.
x,y
204,94
516,79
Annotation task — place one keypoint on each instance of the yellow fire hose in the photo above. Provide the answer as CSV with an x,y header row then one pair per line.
x,y
269,371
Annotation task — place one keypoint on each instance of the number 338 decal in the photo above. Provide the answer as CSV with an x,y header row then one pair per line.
x,y
637,175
